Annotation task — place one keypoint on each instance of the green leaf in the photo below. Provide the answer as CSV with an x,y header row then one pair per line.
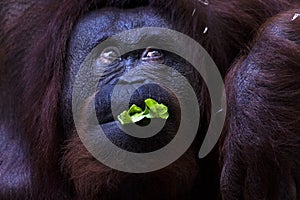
x,y
137,117
150,103
152,110
164,116
125,118
134,109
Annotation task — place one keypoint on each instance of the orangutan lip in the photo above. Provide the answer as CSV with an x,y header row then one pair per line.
x,y
107,119
109,122
129,137
143,122
132,139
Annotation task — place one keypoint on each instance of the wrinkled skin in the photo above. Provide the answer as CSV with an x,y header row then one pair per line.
x,y
44,43
102,24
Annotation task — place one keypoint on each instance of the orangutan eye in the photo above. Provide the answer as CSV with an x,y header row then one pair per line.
x,y
151,54
108,55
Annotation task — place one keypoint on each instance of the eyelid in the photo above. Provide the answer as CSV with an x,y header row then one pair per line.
x,y
106,58
154,58
114,48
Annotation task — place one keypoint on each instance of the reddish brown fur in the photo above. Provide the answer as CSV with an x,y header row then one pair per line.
x,y
261,149
35,41
89,175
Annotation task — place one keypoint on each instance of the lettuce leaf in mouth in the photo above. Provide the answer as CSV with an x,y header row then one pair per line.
x,y
153,109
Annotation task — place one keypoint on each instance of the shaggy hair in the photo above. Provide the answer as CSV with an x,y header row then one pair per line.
x,y
261,150
34,38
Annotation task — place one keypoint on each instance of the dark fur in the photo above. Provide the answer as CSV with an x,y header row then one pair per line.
x,y
261,150
33,41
